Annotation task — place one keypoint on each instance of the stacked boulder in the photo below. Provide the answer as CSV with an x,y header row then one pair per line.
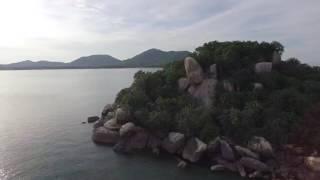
x,y
251,161
195,83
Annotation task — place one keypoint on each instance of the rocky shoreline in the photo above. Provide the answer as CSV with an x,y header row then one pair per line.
x,y
256,159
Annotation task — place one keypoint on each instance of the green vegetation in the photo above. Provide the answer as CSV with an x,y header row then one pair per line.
x,y
276,111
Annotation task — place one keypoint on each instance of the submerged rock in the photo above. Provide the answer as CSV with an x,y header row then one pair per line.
x,y
173,142
105,136
217,167
194,149
93,119
137,141
193,70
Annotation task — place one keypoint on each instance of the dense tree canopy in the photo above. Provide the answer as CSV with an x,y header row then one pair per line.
x,y
276,111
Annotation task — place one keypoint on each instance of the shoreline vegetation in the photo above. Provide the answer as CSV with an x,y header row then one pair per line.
x,y
230,106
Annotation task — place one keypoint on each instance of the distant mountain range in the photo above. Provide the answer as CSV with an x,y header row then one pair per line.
x,y
149,58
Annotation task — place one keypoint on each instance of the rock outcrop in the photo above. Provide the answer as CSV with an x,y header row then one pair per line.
x,y
194,149
122,116
112,125
261,146
204,91
226,151
173,142
183,83
193,71
105,136
263,67
127,129
213,71
276,58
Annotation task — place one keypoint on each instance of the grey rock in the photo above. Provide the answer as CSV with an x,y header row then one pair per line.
x,y
263,67
226,151
214,146
228,165
173,142
217,167
261,146
204,91
276,58
193,70
213,71
122,116
107,108
257,86
105,136
112,125
182,164
253,164
93,119
245,152
194,149
183,83
127,129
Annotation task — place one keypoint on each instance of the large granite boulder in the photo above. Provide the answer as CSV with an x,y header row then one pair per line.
x,y
226,151
193,70
137,141
253,164
313,163
105,136
127,129
204,91
112,125
214,146
261,146
183,83
173,142
107,108
276,58
263,67
122,116
213,71
245,152
194,149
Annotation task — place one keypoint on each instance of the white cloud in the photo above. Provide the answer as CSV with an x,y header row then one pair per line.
x,y
67,29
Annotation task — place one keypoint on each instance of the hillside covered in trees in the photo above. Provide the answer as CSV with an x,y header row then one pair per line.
x,y
276,111
233,105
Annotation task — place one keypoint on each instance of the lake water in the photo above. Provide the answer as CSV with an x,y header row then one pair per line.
x,y
41,135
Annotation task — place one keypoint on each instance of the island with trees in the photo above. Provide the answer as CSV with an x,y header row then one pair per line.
x,y
229,106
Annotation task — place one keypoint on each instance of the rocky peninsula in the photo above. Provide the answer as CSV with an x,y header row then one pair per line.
x,y
129,130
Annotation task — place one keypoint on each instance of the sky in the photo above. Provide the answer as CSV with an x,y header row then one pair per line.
x,y
63,30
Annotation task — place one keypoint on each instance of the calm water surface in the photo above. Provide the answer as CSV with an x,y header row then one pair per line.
x,y
41,135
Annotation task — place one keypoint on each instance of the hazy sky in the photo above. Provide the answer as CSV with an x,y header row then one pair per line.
x,y
63,30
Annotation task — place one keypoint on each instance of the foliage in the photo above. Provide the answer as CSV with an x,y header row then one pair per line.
x,y
276,111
